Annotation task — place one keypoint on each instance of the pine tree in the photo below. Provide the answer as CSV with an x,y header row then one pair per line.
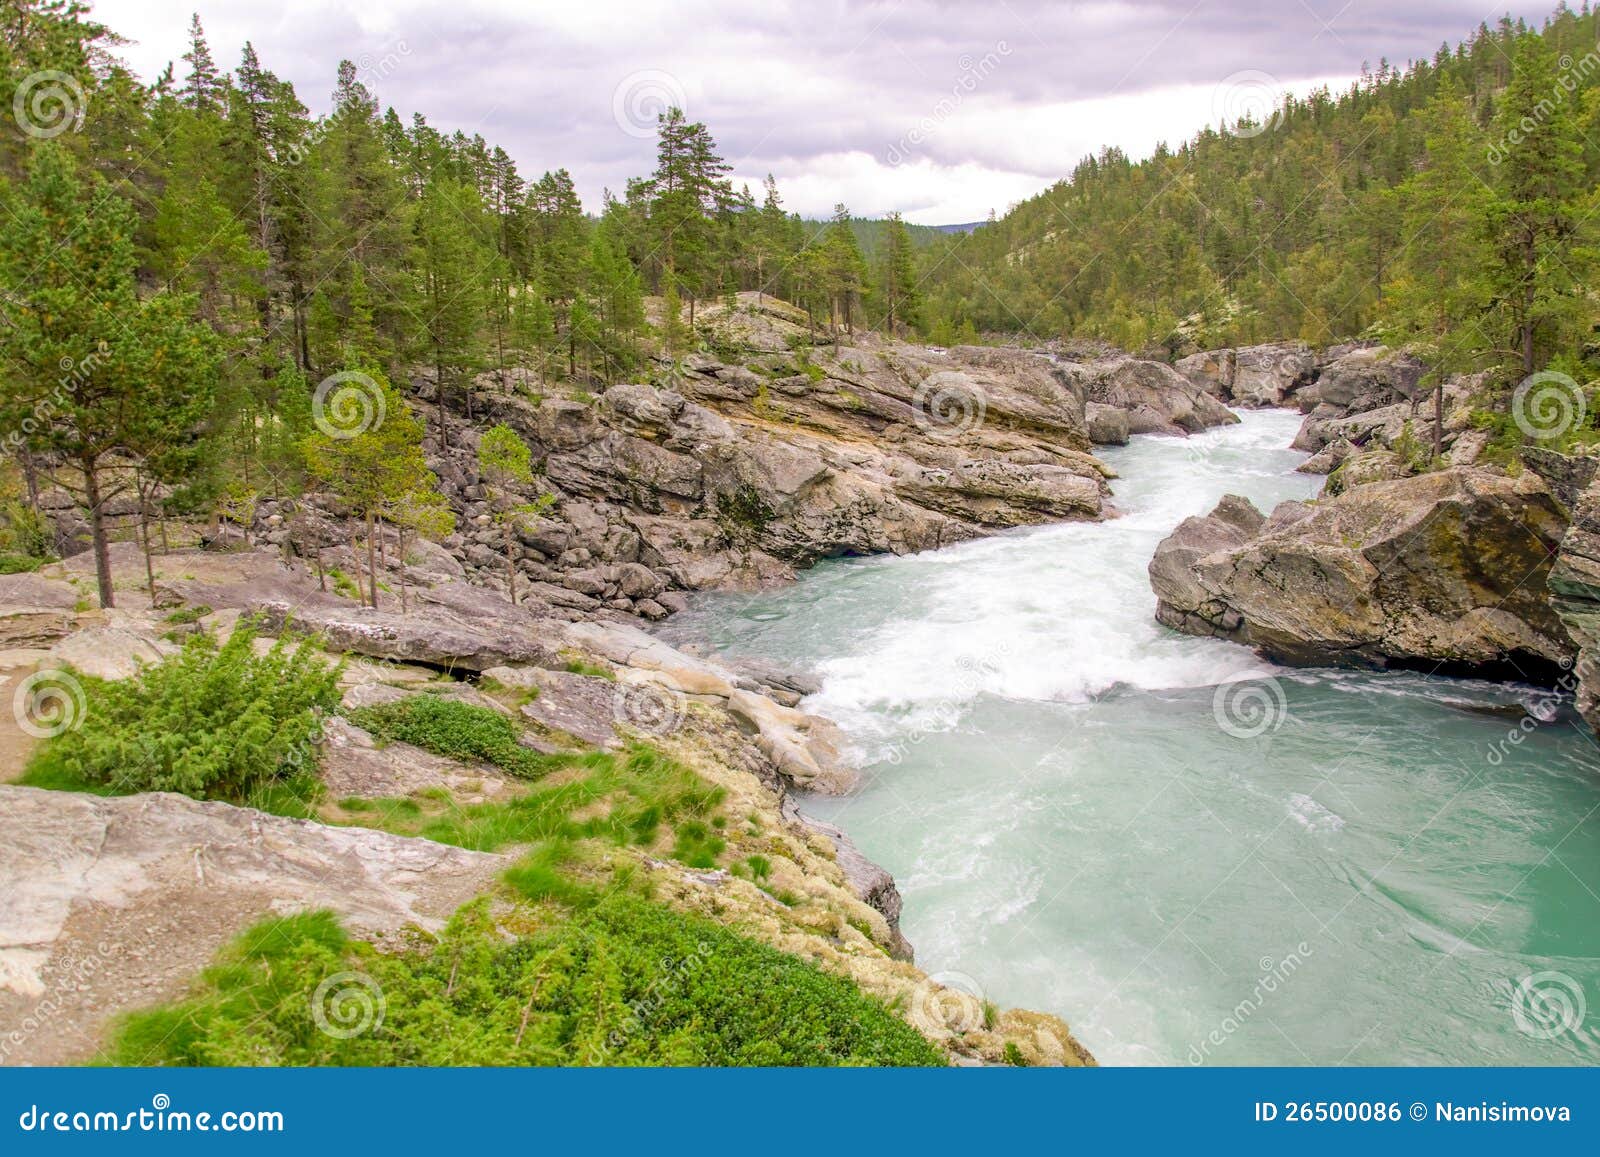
x,y
453,264
1438,299
898,294
845,272
99,376
378,469
1534,217
504,461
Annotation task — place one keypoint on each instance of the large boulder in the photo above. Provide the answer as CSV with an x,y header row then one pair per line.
x,y
1156,397
1265,375
35,611
1108,425
1211,370
1367,378
1444,571
1003,493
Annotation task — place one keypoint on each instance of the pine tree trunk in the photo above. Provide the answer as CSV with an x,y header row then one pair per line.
x,y
97,532
144,537
1438,419
401,547
511,566
31,477
372,565
355,561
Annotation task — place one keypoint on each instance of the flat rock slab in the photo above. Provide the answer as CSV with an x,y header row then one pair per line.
x,y
112,904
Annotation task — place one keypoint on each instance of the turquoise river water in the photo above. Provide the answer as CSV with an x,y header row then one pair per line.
x,y
1193,856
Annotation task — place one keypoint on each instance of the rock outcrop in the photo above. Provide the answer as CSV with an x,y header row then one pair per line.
x,y
116,902
1574,583
1254,376
1156,398
1444,571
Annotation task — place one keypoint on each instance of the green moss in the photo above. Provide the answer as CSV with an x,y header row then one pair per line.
x,y
743,513
457,730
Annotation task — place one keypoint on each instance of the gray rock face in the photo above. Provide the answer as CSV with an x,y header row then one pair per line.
x,y
1211,370
868,880
115,903
1265,375
1156,397
1368,378
1574,583
1441,571
1108,426
35,611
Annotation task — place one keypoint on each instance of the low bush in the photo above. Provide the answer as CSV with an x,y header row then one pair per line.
x,y
213,722
623,981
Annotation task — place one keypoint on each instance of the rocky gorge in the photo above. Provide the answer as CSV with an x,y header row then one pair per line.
x,y
735,468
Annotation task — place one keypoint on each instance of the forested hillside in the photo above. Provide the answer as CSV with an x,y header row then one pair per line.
x,y
187,266
1450,205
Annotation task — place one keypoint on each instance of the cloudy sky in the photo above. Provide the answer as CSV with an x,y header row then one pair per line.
x,y
942,110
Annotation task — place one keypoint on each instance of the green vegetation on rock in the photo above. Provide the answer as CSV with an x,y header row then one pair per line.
x,y
620,981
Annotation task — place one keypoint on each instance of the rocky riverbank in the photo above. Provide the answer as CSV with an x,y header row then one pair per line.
x,y
117,902
1466,566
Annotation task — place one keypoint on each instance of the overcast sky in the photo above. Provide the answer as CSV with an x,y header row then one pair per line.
x,y
942,110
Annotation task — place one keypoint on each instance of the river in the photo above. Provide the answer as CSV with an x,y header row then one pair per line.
x,y
1193,856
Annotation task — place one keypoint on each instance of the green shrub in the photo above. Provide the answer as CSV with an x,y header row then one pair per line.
x,y
211,722
19,563
620,982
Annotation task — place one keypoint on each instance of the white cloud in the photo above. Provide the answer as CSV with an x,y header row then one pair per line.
x,y
939,108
